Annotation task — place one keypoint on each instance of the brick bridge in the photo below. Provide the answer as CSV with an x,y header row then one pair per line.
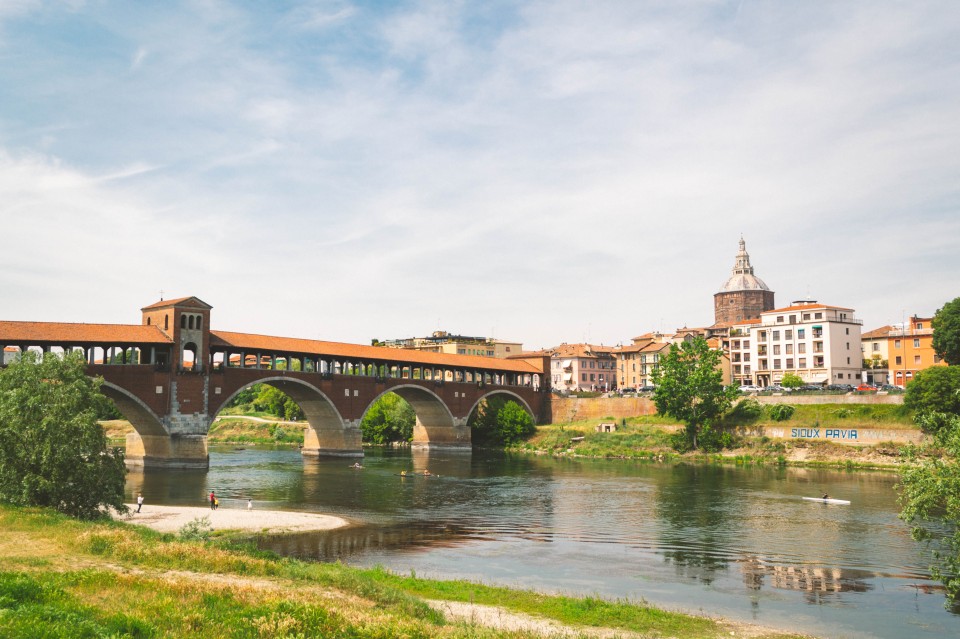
x,y
171,375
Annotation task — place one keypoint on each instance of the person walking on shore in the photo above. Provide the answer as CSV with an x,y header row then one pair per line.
x,y
139,501
213,501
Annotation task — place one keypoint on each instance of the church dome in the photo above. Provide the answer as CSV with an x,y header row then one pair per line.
x,y
742,277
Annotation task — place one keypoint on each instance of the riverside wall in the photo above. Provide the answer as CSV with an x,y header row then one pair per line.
x,y
570,409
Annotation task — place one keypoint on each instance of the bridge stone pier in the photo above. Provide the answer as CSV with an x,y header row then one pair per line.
x,y
171,375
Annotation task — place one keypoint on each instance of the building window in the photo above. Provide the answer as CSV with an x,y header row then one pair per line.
x,y
848,346
802,362
817,316
776,349
801,348
789,349
583,377
789,362
806,317
746,344
899,360
916,359
876,347
916,343
779,319
896,343
793,319
776,364
801,333
848,361
788,334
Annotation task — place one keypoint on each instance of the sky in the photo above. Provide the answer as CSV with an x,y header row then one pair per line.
x,y
541,172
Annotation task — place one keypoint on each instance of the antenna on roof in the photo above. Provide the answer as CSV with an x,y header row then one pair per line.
x,y
161,294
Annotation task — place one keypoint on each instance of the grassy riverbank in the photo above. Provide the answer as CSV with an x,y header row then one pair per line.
x,y
649,438
64,578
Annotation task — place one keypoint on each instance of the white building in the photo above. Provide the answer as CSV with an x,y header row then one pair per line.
x,y
817,342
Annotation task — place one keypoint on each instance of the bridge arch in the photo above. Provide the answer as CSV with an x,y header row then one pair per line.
x,y
436,424
327,433
135,411
509,395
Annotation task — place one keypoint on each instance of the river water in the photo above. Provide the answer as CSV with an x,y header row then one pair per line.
x,y
723,540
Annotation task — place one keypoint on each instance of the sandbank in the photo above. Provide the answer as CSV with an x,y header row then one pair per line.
x,y
172,518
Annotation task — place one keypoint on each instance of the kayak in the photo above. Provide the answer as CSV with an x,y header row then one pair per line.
x,y
842,502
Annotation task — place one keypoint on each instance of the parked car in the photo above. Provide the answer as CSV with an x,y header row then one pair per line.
x,y
777,388
889,388
846,388
749,388
646,389
866,388
813,388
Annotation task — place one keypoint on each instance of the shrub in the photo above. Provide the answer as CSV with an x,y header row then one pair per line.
x,y
197,530
780,412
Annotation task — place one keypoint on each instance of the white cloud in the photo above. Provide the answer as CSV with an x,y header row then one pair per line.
x,y
552,169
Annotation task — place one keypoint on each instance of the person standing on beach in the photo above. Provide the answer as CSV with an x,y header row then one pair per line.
x,y
213,501
139,501
249,504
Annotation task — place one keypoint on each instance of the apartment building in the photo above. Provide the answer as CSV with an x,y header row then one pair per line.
x,y
910,346
444,342
817,342
874,348
583,367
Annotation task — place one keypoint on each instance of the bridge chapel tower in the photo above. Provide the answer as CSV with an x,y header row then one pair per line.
x,y
187,322
744,295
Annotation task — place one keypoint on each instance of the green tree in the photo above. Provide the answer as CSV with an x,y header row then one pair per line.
x,y
689,386
946,332
53,453
498,421
389,419
791,380
934,390
929,490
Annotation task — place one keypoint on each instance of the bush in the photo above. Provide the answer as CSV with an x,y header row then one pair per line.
x,y
713,440
935,390
746,411
780,412
198,529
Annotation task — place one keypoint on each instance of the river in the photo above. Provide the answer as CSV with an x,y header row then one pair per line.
x,y
722,540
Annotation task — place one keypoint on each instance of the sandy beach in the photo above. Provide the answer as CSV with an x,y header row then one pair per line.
x,y
172,518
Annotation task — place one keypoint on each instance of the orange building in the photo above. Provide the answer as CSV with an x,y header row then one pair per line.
x,y
910,348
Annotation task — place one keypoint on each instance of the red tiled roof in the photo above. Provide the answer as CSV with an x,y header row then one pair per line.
x,y
883,331
62,333
180,301
265,343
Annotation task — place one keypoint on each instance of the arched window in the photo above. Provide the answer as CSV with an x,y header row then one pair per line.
x,y
199,322
166,322
148,321
190,322
183,321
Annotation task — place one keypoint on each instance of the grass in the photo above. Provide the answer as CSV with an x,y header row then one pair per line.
x,y
64,578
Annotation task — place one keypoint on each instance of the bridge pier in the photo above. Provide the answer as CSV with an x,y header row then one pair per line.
x,y
328,442
167,451
438,436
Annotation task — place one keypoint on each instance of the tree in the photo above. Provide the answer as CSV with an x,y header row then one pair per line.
x,y
689,386
53,453
928,493
389,419
498,421
946,332
791,380
935,390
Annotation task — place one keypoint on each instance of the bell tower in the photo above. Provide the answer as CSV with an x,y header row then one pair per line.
x,y
186,321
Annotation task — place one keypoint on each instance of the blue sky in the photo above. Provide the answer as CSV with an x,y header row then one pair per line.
x,y
544,172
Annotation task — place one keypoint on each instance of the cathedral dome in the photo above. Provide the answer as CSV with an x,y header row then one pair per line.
x,y
742,277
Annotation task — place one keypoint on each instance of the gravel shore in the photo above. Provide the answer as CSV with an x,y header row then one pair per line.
x,y
172,518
